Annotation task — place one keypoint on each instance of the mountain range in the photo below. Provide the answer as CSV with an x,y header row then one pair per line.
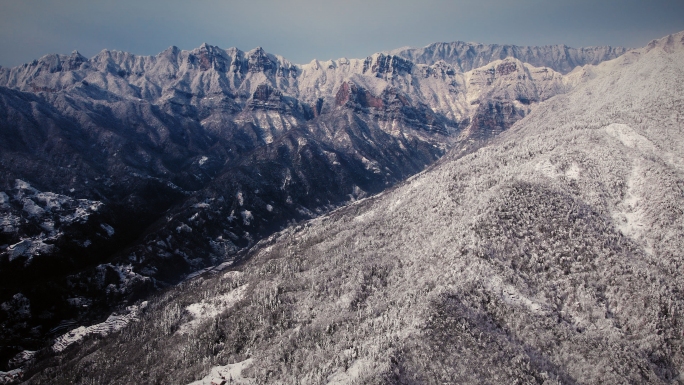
x,y
124,174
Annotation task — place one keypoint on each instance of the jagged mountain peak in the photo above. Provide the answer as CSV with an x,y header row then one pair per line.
x,y
385,65
467,56
669,43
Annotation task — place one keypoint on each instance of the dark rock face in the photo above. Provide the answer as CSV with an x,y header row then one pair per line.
x,y
391,105
383,65
209,58
353,96
492,117
506,68
259,61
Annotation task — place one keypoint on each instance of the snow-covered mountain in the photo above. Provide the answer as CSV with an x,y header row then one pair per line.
x,y
468,56
208,77
551,255
179,162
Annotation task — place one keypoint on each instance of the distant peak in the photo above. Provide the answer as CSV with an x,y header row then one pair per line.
x,y
207,47
669,43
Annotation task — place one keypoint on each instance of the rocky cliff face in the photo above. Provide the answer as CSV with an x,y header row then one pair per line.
x,y
193,156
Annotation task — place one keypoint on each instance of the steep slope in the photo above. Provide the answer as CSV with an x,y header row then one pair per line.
x,y
468,56
552,255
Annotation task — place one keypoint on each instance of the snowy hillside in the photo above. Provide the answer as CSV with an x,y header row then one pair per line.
x,y
552,255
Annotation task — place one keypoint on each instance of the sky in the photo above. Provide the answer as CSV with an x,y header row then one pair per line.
x,y
302,30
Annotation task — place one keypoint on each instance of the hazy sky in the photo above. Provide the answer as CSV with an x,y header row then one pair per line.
x,y
302,30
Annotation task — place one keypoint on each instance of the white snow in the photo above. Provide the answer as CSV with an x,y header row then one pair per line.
x,y
211,307
512,296
183,228
228,374
21,185
114,323
573,172
629,137
350,375
247,217
29,248
630,216
11,377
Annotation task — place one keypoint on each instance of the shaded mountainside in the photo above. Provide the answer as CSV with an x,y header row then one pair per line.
x,y
552,255
124,174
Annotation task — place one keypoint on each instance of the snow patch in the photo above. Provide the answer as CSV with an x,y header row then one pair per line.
x,y
629,137
351,374
228,374
365,216
573,172
550,170
112,324
630,215
29,248
21,185
247,217
210,308
512,296
183,228
11,377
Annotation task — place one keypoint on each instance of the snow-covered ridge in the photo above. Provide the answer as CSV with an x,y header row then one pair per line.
x,y
211,73
468,56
